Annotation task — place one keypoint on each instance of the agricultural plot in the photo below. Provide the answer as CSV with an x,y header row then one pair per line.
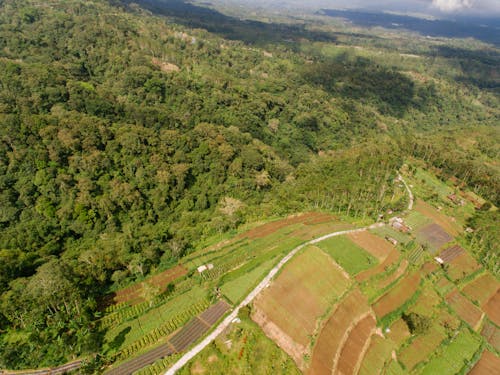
x,y
426,302
190,333
301,294
422,347
492,308
351,257
236,289
384,283
433,236
454,356
416,220
377,355
136,293
334,333
347,313
398,332
397,296
389,262
488,364
310,218
465,309
492,334
446,222
355,346
387,231
482,289
451,253
244,349
127,332
376,246
462,266
444,286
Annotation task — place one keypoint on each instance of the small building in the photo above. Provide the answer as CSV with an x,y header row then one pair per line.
x,y
205,267
391,240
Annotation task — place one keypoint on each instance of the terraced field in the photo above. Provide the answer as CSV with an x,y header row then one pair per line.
x,y
289,309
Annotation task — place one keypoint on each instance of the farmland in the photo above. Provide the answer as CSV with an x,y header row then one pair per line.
x,y
488,364
397,296
492,308
464,308
433,236
453,356
244,349
481,289
351,289
348,255
352,309
376,246
311,278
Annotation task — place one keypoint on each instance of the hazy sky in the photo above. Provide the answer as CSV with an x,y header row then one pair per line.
x,y
437,7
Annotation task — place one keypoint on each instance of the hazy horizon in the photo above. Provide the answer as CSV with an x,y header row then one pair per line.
x,y
437,8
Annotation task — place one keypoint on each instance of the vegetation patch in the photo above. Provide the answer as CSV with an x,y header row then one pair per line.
x,y
462,266
349,256
451,359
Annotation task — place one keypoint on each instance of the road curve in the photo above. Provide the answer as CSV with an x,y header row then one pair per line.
x,y
227,321
410,194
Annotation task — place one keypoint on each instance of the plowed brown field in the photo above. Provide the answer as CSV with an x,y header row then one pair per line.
x,y
375,245
309,218
397,295
355,346
298,297
489,364
482,288
134,294
465,309
492,308
330,340
444,221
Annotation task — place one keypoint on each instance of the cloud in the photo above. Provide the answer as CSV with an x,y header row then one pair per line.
x,y
452,5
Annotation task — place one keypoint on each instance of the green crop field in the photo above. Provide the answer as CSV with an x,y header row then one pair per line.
x,y
129,331
241,286
348,255
455,355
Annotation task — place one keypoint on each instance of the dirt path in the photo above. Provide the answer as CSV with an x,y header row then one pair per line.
x,y
410,194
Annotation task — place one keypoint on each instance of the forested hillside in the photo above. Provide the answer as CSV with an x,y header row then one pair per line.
x,y
127,138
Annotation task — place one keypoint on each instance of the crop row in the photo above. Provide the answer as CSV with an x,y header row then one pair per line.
x,y
158,367
223,268
415,255
119,316
163,331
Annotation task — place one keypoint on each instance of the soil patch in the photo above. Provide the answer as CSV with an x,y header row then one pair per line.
x,y
489,364
375,245
492,308
397,295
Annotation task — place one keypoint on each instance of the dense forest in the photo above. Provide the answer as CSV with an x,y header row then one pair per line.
x,y
127,137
